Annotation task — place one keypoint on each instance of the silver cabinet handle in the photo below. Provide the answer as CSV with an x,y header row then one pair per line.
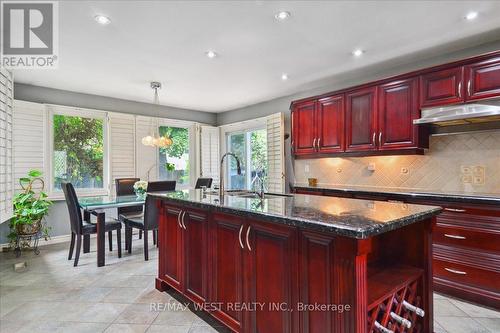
x,y
248,234
456,210
319,140
454,271
380,138
182,220
239,237
454,236
373,139
468,88
314,143
179,219
460,89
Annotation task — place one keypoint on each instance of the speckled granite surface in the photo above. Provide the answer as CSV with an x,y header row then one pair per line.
x,y
346,217
402,194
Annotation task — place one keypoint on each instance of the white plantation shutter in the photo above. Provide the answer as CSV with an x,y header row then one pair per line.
x,y
209,150
146,157
6,162
275,153
29,138
122,147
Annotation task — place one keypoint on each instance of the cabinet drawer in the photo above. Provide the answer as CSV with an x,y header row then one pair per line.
x,y
465,237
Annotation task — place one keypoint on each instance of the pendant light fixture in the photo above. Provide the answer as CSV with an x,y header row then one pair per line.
x,y
153,139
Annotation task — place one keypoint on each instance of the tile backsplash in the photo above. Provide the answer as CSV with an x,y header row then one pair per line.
x,y
462,162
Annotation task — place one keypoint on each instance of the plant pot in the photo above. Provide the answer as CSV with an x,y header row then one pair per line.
x,y
29,229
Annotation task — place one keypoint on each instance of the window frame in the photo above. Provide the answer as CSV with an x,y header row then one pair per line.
x,y
84,113
165,122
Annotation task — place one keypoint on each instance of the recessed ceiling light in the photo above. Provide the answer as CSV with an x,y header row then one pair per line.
x,y
470,16
281,16
211,54
357,53
284,76
101,19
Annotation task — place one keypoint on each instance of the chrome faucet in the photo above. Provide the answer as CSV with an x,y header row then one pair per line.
x,y
221,177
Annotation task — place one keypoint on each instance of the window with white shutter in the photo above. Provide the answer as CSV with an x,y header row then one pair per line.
x,y
121,146
275,153
209,150
6,173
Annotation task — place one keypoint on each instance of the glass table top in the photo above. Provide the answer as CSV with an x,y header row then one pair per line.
x,y
108,201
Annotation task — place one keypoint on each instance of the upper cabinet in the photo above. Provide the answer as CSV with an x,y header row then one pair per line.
x,y
397,108
361,119
483,79
377,118
442,87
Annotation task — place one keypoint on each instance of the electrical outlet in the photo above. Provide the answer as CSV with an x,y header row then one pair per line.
x,y
405,171
478,171
465,169
371,167
478,180
466,179
306,168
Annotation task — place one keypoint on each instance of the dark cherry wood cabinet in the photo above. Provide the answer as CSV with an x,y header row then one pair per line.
x,y
195,255
483,79
398,107
304,121
170,241
442,87
330,124
227,268
270,267
361,119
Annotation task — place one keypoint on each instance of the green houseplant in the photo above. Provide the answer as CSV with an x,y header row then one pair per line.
x,y
30,207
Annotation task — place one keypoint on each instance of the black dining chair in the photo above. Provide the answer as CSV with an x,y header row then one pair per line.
x,y
149,220
125,186
81,227
203,182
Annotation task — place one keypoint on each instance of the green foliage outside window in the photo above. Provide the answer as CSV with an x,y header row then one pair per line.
x,y
179,149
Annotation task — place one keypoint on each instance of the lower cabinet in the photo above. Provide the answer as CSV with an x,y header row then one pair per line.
x,y
170,245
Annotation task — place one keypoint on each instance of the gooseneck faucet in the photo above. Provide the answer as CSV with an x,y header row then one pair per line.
x,y
221,176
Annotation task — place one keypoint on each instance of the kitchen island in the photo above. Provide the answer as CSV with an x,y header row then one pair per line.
x,y
299,263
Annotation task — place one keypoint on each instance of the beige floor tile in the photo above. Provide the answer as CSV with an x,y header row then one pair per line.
x,y
137,314
126,328
102,312
123,295
168,329
493,324
461,325
475,311
444,307
175,318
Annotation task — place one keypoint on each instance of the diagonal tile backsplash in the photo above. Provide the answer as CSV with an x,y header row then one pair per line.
x,y
456,163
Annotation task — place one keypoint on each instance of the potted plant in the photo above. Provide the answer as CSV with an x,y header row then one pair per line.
x,y
140,188
30,207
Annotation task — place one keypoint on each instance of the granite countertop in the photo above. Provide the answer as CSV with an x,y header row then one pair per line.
x,y
346,217
398,193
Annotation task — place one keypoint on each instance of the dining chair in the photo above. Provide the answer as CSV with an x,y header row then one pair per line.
x,y
125,186
149,220
81,227
203,182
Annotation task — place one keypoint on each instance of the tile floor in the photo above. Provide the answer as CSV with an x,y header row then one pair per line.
x,y
53,296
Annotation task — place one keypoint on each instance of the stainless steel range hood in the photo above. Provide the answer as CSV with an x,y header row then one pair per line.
x,y
460,114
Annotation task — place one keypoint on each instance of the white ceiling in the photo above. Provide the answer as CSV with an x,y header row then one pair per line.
x,y
166,42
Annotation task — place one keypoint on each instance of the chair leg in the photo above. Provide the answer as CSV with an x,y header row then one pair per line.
x,y
140,234
86,243
154,237
129,239
71,246
110,239
78,248
126,238
119,240
146,254
156,232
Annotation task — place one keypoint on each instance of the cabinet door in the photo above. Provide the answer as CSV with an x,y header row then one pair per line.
x,y
483,79
271,270
331,124
398,106
170,247
304,127
195,254
316,278
442,87
226,268
361,119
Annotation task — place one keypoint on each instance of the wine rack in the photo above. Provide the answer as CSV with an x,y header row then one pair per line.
x,y
394,301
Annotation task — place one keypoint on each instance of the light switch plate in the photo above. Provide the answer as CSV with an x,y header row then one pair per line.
x,y
371,167
306,168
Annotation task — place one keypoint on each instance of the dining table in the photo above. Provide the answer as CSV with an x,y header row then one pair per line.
x,y
96,205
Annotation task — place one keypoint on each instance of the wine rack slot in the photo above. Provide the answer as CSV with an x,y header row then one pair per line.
x,y
394,301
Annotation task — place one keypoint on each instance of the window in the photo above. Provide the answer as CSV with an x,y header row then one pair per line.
x,y
251,148
174,160
79,151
